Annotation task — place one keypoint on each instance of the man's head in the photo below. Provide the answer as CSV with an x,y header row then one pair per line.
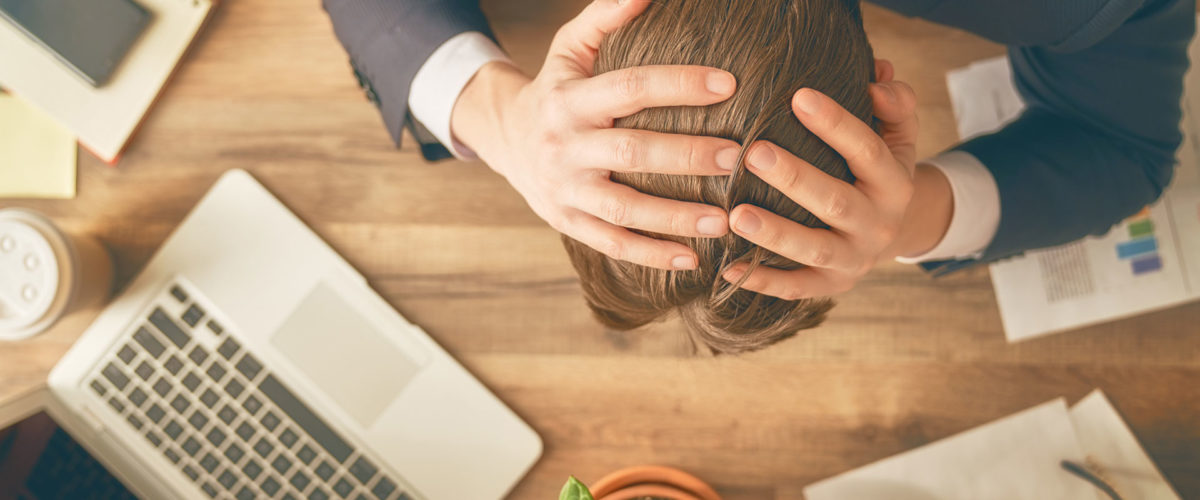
x,y
773,48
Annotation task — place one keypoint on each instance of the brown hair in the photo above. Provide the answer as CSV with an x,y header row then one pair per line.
x,y
773,48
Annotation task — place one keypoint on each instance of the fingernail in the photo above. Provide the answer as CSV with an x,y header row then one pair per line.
x,y
761,157
806,101
727,158
748,223
732,275
683,263
711,226
720,83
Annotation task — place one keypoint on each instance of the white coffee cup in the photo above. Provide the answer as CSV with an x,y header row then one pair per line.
x,y
46,273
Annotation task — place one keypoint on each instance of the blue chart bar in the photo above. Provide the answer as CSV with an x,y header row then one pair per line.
x,y
1137,247
1146,264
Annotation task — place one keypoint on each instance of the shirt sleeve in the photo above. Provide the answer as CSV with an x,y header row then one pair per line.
x,y
440,81
976,209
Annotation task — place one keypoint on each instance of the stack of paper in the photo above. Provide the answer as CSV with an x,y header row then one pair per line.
x,y
1015,458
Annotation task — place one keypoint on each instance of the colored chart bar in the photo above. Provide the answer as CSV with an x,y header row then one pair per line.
x,y
1144,227
1139,246
1147,264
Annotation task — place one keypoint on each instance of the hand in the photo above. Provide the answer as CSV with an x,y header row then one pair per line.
x,y
867,219
552,139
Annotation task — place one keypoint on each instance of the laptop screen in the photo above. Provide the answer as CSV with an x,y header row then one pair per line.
x,y
40,461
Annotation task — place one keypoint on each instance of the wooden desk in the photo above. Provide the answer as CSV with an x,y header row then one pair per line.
x,y
904,360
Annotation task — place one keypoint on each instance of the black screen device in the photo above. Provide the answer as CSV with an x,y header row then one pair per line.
x,y
89,36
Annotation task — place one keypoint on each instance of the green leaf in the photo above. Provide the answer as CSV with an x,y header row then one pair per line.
x,y
574,490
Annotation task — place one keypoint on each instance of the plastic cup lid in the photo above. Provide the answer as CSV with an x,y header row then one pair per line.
x,y
30,273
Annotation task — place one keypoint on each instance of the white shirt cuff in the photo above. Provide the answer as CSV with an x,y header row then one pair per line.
x,y
441,79
976,209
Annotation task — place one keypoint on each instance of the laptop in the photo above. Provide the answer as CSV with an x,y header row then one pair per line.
x,y
248,360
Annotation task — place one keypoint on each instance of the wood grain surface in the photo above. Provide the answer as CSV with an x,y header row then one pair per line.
x,y
903,360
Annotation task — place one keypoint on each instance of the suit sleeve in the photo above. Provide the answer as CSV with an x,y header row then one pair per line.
x,y
389,40
1097,140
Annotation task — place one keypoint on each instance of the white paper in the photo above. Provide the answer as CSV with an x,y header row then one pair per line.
x,y
1015,458
1090,281
1113,449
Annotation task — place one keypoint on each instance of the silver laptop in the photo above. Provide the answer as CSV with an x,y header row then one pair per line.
x,y
248,360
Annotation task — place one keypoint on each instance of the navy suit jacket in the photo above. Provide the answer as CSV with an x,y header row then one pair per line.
x,y
1102,81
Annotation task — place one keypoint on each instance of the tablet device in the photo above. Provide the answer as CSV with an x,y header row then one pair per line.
x,y
89,36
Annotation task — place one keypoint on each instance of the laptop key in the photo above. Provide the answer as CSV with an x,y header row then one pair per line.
x,y
155,413
249,366
115,376
191,472
270,486
363,470
383,488
216,436
116,404
305,418
191,381
209,398
324,471
153,438
209,462
281,464
148,342
193,315
144,371
178,293
135,421
288,438
300,480
245,493
138,397
215,327
173,364
252,469
263,447
216,372
318,493
172,455
227,479
234,453
228,348
162,387
209,489
126,353
167,326
198,355
245,431
270,421
227,414
234,388
180,403
252,405
191,446
306,454
343,487
98,387
198,420
173,429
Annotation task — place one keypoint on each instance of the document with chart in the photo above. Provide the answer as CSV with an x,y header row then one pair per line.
x,y
1149,261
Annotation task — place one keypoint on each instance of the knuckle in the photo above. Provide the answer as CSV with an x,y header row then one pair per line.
x,y
791,293
887,233
612,248
615,211
629,151
821,253
678,223
631,83
837,205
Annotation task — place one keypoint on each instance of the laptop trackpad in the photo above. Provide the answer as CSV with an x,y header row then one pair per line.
x,y
344,355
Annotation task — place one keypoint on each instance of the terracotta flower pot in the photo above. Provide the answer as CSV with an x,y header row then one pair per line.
x,y
652,481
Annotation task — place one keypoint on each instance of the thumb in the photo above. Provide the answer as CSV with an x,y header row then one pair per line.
x,y
895,107
573,51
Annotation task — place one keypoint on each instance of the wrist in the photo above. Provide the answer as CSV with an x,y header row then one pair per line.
x,y
477,118
929,213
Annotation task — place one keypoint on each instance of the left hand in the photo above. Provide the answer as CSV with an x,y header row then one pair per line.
x,y
865,218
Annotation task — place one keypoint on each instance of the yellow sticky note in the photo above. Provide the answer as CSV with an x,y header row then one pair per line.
x,y
37,155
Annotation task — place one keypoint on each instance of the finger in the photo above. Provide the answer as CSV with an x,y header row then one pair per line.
x,y
789,284
895,105
884,71
809,246
864,150
621,244
574,47
834,201
626,207
629,150
626,91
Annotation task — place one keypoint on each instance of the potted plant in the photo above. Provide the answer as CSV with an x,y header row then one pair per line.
x,y
641,482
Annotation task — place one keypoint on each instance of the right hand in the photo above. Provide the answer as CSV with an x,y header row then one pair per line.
x,y
552,138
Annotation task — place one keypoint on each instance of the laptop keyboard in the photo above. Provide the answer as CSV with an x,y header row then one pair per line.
x,y
229,425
